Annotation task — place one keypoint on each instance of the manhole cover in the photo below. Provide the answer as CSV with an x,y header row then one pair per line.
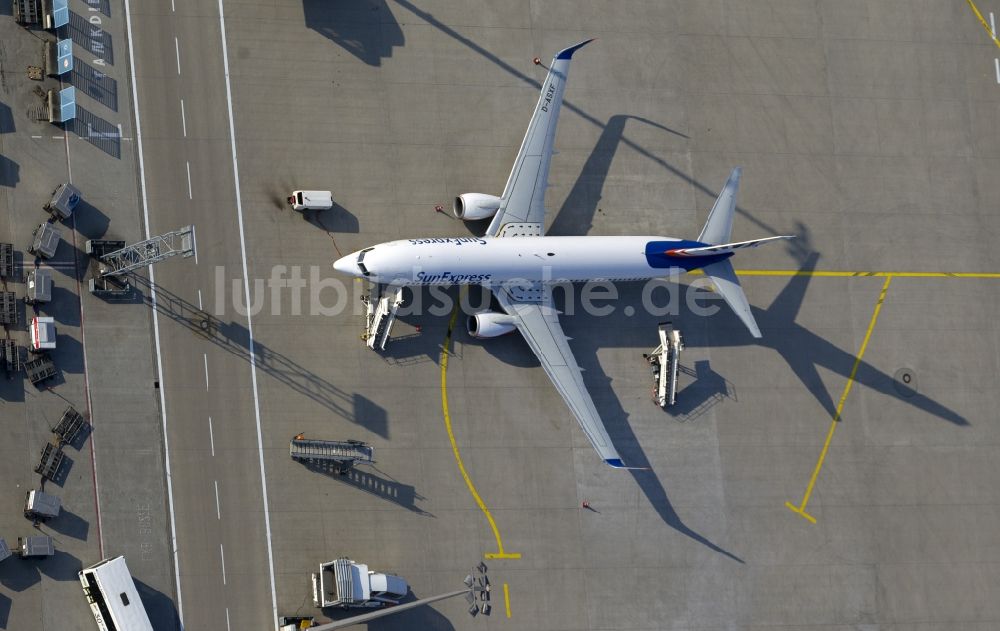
x,y
905,382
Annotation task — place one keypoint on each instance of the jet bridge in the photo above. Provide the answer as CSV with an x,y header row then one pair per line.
x,y
381,305
665,362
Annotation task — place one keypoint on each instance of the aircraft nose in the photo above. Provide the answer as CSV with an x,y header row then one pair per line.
x,y
348,265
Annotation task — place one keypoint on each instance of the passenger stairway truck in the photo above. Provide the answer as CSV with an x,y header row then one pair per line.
x,y
113,598
350,585
665,360
344,454
381,306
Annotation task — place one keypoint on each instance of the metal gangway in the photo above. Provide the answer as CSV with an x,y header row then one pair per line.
x,y
126,258
341,454
381,305
665,361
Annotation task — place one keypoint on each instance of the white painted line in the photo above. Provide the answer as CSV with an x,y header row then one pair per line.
x,y
156,320
228,628
211,436
59,137
205,355
194,237
996,65
993,26
177,50
246,291
222,555
218,512
172,7
184,124
188,164
120,133
200,308
36,136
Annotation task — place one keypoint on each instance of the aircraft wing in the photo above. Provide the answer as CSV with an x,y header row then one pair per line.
x,y
522,205
538,322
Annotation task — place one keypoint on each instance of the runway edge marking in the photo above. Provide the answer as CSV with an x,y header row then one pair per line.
x,y
801,509
500,553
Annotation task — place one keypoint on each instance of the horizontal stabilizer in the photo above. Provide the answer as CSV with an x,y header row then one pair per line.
x,y
727,285
723,248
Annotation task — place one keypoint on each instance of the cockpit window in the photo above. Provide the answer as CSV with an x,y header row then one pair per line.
x,y
361,257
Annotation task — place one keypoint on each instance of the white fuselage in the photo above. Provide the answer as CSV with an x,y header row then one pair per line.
x,y
473,260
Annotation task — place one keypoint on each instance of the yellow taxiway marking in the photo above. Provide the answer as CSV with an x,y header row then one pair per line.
x,y
500,553
860,274
801,508
506,598
982,20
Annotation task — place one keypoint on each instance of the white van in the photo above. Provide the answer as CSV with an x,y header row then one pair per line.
x,y
311,200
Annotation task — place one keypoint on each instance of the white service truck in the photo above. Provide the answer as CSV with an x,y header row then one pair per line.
x,y
350,585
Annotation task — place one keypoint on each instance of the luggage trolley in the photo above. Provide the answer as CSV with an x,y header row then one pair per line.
x,y
70,426
49,462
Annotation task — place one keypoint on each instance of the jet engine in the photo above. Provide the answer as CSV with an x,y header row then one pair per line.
x,y
475,206
488,324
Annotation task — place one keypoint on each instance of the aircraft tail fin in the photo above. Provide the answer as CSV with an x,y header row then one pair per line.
x,y
727,285
719,225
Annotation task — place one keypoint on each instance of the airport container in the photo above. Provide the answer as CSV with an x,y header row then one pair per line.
x,y
45,241
41,506
35,546
64,200
39,286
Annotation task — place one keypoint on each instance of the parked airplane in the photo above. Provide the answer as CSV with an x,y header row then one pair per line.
x,y
518,264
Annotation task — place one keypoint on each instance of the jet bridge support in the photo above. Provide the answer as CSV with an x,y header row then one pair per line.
x,y
665,362
381,305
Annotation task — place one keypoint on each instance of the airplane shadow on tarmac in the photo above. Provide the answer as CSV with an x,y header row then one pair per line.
x,y
368,29
234,338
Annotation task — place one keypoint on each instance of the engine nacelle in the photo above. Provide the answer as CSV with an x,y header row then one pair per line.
x,y
488,324
475,206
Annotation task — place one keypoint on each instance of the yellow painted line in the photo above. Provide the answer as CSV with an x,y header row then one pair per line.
x,y
801,508
506,599
860,274
983,21
499,554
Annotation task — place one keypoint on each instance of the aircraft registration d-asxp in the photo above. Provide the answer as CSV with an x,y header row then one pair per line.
x,y
518,263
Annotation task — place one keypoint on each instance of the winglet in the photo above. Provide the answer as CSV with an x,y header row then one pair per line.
x,y
567,53
618,464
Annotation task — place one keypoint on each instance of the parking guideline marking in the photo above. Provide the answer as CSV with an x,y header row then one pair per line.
x,y
500,553
801,509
